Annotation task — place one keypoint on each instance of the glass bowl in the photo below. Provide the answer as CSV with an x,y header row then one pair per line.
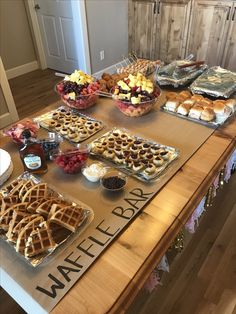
x,y
72,160
113,181
137,110
15,131
81,101
94,172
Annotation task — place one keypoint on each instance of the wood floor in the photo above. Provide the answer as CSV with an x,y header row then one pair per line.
x,y
34,91
202,279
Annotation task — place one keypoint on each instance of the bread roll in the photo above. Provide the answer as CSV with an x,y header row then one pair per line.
x,y
171,95
186,94
207,114
184,109
172,105
197,97
195,112
221,109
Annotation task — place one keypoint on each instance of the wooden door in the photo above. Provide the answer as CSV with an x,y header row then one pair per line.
x,y
208,28
172,25
142,28
56,25
8,112
229,56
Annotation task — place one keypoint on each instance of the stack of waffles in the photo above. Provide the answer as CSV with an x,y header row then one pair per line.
x,y
75,128
30,214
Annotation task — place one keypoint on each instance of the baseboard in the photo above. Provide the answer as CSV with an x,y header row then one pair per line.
x,y
22,69
111,69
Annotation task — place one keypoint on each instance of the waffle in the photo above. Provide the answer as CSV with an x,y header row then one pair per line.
x,y
25,232
11,186
17,229
37,191
55,208
34,205
39,241
69,217
6,217
24,189
16,187
16,218
45,207
7,201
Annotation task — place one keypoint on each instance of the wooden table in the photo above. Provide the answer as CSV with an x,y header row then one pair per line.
x,y
115,278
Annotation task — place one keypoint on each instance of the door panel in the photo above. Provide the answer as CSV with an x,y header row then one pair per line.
x,y
172,27
142,28
229,57
56,25
208,30
50,34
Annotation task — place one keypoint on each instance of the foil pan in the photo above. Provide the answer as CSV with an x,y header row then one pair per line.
x,y
45,119
172,74
212,124
216,82
127,166
61,236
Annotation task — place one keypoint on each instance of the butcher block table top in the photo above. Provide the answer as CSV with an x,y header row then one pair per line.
x,y
115,278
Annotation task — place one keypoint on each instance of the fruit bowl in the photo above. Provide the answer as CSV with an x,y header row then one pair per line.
x,y
135,95
131,110
15,131
72,160
78,90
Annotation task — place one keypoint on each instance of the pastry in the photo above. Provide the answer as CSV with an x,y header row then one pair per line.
x,y
158,161
164,154
137,166
171,95
69,217
172,105
150,169
39,241
207,114
197,97
109,154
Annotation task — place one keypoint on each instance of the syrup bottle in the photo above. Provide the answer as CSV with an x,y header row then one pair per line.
x,y
32,155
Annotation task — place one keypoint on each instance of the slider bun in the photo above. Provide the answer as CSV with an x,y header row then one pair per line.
x,y
184,109
171,95
195,112
186,94
207,114
180,98
220,108
219,101
197,97
189,101
172,105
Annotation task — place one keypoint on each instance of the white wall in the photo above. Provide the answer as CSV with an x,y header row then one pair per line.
x,y
16,44
107,22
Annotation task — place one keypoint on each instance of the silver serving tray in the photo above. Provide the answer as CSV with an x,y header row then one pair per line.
x,y
48,115
140,175
47,256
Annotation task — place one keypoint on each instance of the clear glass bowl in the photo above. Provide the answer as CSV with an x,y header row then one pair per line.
x,y
15,130
140,109
72,160
113,181
81,101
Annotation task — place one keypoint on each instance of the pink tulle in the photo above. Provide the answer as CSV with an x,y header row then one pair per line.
x,y
192,223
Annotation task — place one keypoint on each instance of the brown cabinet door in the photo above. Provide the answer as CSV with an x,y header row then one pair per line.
x,y
229,57
172,28
142,28
208,30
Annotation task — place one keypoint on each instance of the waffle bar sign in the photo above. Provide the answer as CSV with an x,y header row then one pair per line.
x,y
83,253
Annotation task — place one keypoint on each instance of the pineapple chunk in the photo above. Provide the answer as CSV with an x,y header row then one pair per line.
x,y
72,95
135,100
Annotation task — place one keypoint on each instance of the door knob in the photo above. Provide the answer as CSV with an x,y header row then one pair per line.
x,y
37,7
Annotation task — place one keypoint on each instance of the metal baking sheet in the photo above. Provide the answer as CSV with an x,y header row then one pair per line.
x,y
73,111
68,237
210,124
141,175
